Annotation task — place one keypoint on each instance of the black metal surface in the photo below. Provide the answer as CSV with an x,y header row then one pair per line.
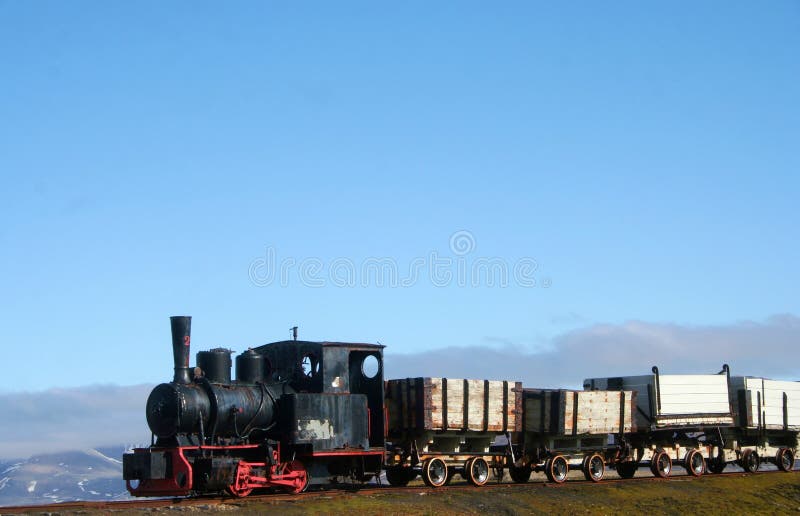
x,y
335,370
215,410
372,388
144,466
444,404
287,358
174,408
216,365
615,384
250,367
505,406
238,411
485,405
658,389
214,473
465,419
326,421
745,402
181,337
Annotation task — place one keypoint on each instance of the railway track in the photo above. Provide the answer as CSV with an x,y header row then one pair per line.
x,y
204,502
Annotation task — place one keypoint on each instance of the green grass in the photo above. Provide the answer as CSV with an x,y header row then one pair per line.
x,y
734,494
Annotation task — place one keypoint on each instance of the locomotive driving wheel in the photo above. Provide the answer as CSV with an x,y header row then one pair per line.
x,y
240,486
302,478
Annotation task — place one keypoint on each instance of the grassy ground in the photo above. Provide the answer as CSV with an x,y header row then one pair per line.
x,y
733,494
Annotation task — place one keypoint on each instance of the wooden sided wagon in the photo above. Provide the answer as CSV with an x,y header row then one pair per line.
x,y
439,427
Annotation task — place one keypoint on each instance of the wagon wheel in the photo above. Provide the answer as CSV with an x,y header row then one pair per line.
x,y
519,475
450,474
498,473
661,466
434,472
750,461
627,470
556,469
585,461
716,464
467,466
785,459
399,476
594,467
694,463
477,470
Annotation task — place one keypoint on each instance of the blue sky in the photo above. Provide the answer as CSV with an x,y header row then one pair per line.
x,y
645,156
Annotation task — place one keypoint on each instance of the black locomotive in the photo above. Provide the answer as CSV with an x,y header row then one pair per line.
x,y
296,410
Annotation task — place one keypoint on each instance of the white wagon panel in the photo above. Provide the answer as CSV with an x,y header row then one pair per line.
x,y
769,394
677,400
693,394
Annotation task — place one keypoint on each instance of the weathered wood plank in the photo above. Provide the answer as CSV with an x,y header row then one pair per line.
x,y
563,412
426,404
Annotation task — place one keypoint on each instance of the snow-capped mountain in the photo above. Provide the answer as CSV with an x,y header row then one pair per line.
x,y
94,474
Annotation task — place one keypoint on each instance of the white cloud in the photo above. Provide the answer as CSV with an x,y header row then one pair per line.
x,y
68,419
767,348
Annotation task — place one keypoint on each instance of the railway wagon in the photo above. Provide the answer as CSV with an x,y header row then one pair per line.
x,y
565,429
767,419
766,404
690,420
440,427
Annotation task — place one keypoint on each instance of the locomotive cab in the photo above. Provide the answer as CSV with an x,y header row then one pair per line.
x,y
337,408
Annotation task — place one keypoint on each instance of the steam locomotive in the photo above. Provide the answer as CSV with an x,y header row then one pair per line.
x,y
300,411
296,410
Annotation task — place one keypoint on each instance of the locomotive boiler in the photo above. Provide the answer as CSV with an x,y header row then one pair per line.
x,y
296,410
202,408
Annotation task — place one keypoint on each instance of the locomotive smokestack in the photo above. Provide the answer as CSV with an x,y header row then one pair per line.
x,y
181,336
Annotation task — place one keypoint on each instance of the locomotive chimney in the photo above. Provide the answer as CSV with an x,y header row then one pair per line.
x,y
181,336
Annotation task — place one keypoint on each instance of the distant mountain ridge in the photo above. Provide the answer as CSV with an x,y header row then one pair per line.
x,y
93,474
